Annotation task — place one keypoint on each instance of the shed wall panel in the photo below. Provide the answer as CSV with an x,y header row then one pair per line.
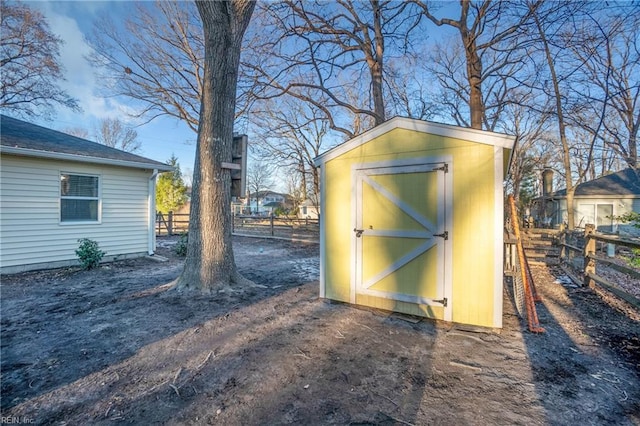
x,y
472,233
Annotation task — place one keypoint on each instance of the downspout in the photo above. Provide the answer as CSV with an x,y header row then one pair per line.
x,y
152,213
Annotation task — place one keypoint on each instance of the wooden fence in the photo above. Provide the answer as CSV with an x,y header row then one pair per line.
x,y
172,223
267,226
579,251
284,227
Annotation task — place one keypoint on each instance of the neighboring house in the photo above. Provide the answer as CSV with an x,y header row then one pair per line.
x,y
56,188
307,209
238,206
265,202
597,201
412,221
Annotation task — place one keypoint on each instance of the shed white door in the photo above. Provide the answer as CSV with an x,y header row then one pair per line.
x,y
400,235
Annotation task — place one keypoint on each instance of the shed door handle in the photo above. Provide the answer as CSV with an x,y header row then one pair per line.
x,y
358,232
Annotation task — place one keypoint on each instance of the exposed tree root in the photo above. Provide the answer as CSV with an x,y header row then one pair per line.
x,y
236,284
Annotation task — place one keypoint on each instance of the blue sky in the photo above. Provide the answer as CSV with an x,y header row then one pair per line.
x,y
71,20
164,136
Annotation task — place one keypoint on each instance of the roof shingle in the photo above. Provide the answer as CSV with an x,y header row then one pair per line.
x,y
43,142
624,182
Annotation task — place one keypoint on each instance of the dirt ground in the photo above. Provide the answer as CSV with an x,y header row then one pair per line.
x,y
116,346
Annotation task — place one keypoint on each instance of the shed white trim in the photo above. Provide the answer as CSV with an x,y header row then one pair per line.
x,y
323,235
439,129
360,173
498,246
152,213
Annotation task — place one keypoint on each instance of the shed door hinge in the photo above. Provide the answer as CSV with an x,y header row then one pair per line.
x,y
444,168
443,301
444,235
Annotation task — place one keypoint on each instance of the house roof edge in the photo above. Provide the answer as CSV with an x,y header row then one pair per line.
x,y
83,158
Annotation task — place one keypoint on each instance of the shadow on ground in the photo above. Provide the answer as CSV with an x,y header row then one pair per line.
x,y
583,371
94,348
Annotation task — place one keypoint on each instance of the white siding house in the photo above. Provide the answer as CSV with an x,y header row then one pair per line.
x,y
308,210
265,202
56,188
599,202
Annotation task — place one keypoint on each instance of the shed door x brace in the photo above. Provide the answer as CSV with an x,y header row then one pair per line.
x,y
400,231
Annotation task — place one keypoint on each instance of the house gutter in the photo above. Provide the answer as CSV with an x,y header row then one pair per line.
x,y
82,158
152,213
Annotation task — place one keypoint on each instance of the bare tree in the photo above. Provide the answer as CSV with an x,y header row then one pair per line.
x,y
488,34
182,61
295,190
78,132
609,52
155,58
112,132
29,62
293,134
531,154
556,35
329,52
210,263
409,93
591,157
259,180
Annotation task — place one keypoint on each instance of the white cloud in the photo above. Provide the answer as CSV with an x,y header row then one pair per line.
x,y
80,77
69,21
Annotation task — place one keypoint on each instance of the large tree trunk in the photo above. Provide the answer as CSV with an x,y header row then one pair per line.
x,y
210,264
474,69
632,160
376,65
474,75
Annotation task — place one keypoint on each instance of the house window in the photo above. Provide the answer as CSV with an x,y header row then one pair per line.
x,y
79,198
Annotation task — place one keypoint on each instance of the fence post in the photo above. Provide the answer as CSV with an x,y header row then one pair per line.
x,y
271,220
158,221
589,251
170,223
233,222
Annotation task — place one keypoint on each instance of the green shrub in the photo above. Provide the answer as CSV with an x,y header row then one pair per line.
x,y
634,219
634,259
630,217
280,211
181,247
89,253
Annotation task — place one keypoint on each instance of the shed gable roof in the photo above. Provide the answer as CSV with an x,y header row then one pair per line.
x,y
22,138
430,127
623,183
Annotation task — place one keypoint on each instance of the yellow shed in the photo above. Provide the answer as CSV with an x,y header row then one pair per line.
x,y
412,221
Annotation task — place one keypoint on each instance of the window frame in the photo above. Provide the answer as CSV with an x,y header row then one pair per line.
x,y
61,197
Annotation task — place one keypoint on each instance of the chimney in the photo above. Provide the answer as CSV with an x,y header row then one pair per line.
x,y
547,182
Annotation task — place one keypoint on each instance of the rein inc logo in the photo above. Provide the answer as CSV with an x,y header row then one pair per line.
x,y
24,420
